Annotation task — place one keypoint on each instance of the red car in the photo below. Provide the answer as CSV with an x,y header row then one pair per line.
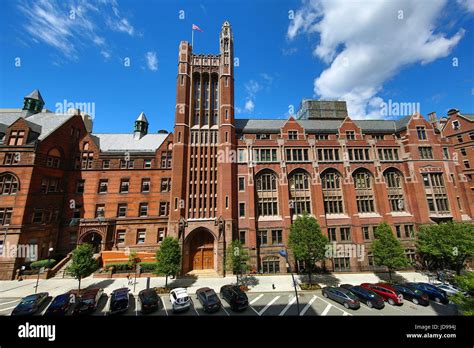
x,y
388,292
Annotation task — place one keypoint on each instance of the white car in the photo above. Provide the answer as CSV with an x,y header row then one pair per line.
x,y
180,300
449,289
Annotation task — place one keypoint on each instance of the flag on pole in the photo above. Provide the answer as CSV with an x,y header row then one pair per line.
x,y
195,27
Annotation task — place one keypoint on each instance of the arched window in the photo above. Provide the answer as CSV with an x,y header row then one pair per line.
x,y
267,194
271,264
300,195
396,197
53,159
332,192
8,184
363,182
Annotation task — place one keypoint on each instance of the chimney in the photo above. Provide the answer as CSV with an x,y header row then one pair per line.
x,y
452,112
433,119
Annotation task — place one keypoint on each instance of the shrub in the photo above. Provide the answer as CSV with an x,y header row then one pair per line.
x,y
148,267
43,263
306,286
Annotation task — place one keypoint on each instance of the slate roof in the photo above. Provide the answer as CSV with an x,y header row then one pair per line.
x,y
470,117
35,95
142,117
110,142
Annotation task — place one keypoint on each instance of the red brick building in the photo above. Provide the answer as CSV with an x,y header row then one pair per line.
x,y
217,178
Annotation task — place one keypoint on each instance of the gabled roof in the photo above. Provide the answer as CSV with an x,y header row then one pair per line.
x,y
470,117
126,142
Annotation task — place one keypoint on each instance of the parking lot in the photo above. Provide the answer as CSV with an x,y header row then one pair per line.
x,y
311,303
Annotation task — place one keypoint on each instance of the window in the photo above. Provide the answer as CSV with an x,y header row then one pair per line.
x,y
300,195
292,135
120,236
471,135
445,153
332,234
277,237
53,160
166,157
456,125
463,151
366,232
436,194
242,156
161,234
127,164
146,185
147,163
164,208
271,265
261,238
358,154
426,152
87,159
396,198
11,158
378,136
241,183
398,230
141,236
342,264
143,209
328,155
80,184
99,210
165,184
241,209
263,136
267,194
38,216
345,234
103,185
297,155
8,184
322,137
459,137
105,164
124,185
466,164
265,155
388,154
364,192
122,210
16,138
350,135
411,255
6,216
332,192
409,231
242,237
421,133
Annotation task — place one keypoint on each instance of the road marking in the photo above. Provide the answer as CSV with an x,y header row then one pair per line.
x,y
192,302
268,305
3,303
305,309
256,299
326,310
254,310
398,309
164,306
342,310
345,314
136,306
225,311
293,300
6,309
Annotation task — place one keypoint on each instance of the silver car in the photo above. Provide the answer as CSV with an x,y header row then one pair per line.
x,y
180,300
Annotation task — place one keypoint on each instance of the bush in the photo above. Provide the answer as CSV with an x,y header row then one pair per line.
x,y
306,286
161,290
119,266
148,267
43,263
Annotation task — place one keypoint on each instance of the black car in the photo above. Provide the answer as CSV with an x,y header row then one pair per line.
x,y
235,297
413,294
61,304
432,291
370,298
149,300
341,295
88,301
29,305
209,299
119,301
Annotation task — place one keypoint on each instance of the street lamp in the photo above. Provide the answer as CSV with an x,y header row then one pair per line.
x,y
283,253
50,250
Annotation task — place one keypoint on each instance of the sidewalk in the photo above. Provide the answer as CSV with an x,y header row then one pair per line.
x,y
256,283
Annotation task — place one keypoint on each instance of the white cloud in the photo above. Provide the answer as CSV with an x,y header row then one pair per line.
x,y
371,50
249,105
467,4
252,88
151,61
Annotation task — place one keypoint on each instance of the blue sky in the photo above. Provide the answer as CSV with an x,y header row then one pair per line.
x,y
365,52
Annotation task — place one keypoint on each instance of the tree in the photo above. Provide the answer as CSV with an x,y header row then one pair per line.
x,y
237,259
387,249
133,260
465,301
168,258
83,262
307,241
447,244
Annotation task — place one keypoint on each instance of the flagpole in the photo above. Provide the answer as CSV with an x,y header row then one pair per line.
x,y
192,38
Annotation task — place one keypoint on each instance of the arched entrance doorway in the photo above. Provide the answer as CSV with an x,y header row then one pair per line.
x,y
201,250
95,239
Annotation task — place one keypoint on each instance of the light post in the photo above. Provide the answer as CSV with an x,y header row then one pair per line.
x,y
283,253
50,250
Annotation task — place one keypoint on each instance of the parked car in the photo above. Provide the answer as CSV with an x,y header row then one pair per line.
x,y
209,299
119,301
370,298
149,300
449,289
432,291
88,301
388,293
30,305
180,300
61,304
235,297
414,295
341,295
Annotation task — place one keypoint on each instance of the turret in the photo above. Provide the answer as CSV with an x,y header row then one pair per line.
x,y
33,103
141,126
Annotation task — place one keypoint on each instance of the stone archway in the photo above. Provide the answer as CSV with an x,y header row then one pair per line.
x,y
200,244
94,238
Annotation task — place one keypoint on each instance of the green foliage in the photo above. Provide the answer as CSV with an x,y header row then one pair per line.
x,y
447,244
168,258
387,250
237,259
307,241
133,260
83,262
465,302
43,263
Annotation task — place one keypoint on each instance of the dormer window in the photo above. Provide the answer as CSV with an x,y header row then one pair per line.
x,y
350,135
16,137
456,125
293,135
